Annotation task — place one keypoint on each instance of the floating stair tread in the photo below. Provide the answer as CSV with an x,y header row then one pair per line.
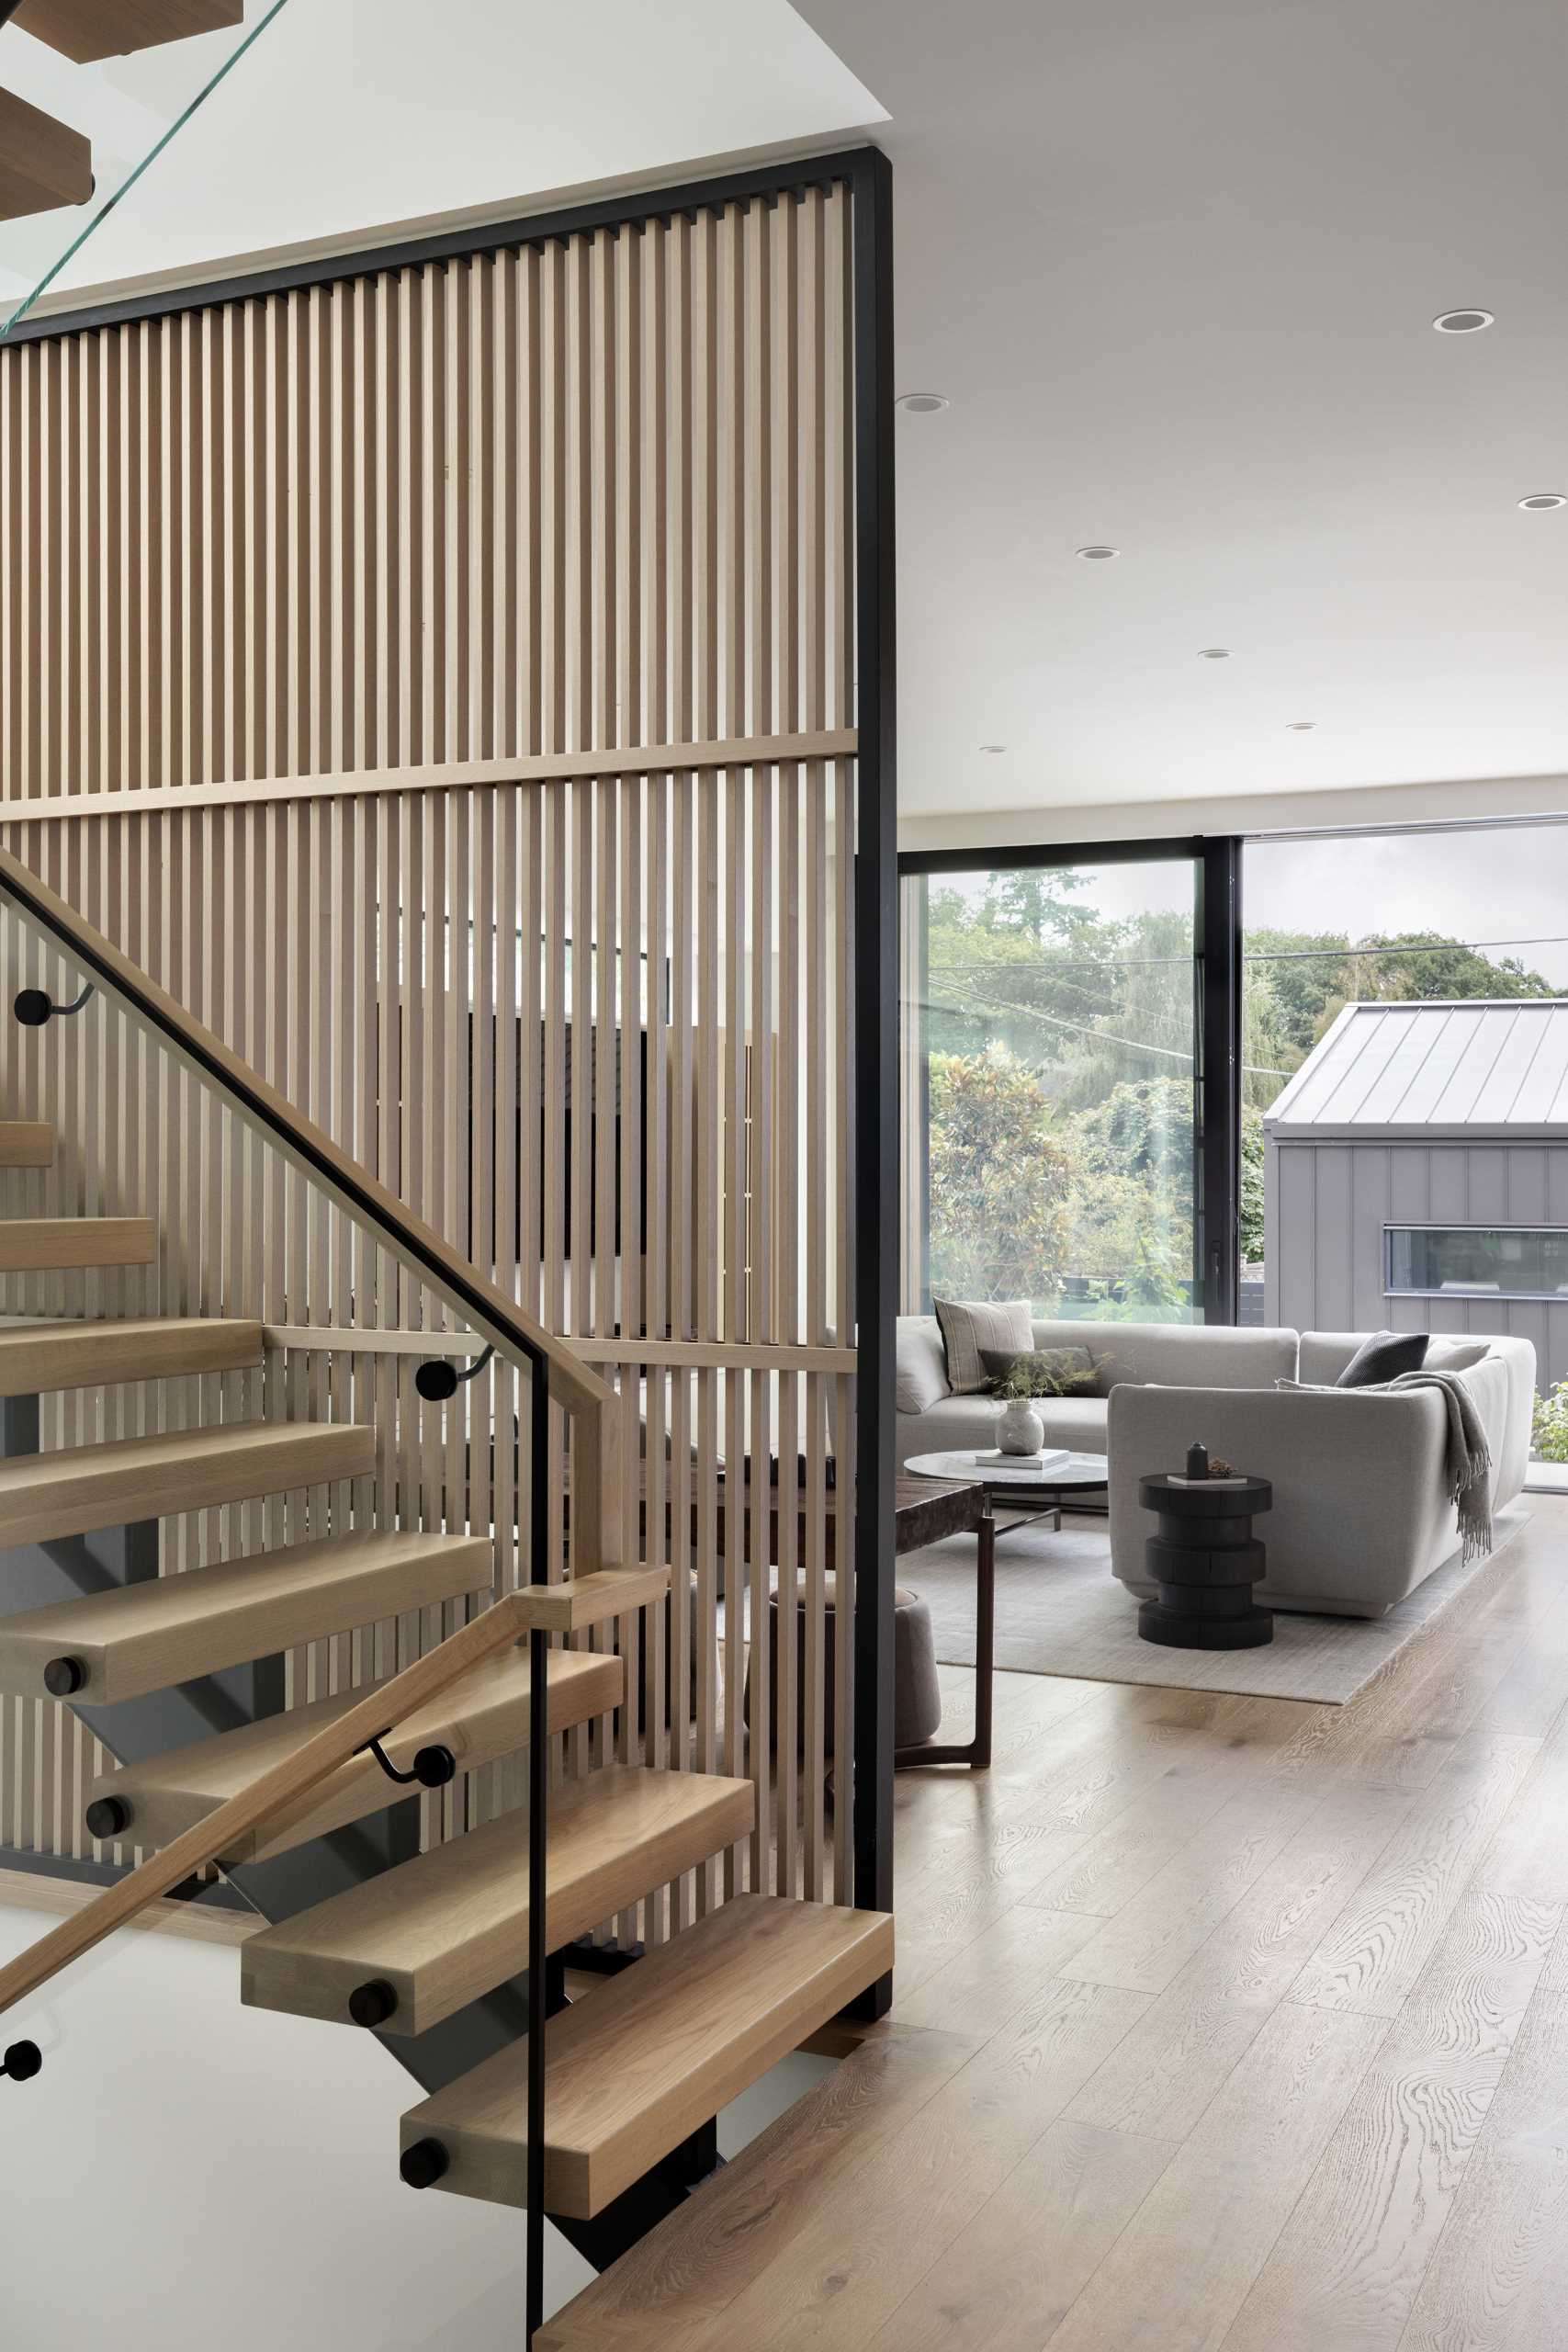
x,y
39,1356
35,1245
646,2058
578,1602
453,1923
482,1716
85,30
26,1143
79,1487
44,163
141,1637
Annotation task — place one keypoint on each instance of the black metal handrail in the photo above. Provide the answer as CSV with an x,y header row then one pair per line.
x,y
366,1200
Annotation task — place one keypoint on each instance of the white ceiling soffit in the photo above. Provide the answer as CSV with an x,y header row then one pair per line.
x,y
355,121
1175,264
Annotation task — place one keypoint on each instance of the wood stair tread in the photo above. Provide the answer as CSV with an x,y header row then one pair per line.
x,y
26,1143
646,2058
453,1923
39,1356
86,30
141,1637
44,163
482,1716
62,1244
79,1487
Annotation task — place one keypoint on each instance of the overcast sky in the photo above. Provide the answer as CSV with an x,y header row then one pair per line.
x,y
1505,882
1501,882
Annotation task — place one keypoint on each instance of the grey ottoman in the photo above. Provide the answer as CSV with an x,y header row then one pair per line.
x,y
916,1694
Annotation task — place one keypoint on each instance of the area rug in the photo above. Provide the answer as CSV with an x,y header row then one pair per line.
x,y
1060,1610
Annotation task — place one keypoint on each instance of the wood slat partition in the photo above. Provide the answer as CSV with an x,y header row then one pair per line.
x,y
349,585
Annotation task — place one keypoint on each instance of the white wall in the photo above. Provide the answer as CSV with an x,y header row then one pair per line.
x,y
1488,799
186,2173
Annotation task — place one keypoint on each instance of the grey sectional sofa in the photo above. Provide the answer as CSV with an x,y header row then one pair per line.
x,y
1360,1516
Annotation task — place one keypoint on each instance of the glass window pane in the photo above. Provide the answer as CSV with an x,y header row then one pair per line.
x,y
1511,1261
1049,1088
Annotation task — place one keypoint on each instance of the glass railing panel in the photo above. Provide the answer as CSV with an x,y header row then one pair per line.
x,y
225,1217
130,108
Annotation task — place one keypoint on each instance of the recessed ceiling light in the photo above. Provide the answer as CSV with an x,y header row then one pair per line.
x,y
1544,501
1461,321
1300,726
993,747
1097,555
923,404
1213,654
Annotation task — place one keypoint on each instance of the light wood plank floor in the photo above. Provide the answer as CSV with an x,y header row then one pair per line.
x,y
1222,2025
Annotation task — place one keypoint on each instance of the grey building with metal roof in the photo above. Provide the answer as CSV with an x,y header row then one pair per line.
x,y
1416,1175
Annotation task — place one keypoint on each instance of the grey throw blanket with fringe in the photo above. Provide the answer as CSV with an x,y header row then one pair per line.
x,y
1467,1458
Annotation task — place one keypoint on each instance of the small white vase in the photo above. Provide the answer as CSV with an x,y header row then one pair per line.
x,y
1021,1429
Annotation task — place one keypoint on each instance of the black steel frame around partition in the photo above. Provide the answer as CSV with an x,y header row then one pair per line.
x,y
1216,1020
867,174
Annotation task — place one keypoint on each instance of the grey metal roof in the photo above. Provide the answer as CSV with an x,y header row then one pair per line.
x,y
1472,1069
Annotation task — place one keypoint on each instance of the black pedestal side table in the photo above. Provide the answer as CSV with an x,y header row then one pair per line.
x,y
1205,1561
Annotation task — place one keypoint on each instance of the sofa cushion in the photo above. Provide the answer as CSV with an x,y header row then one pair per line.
x,y
1182,1356
1077,1422
1451,1355
962,1424
919,1367
969,1325
1043,1371
1383,1356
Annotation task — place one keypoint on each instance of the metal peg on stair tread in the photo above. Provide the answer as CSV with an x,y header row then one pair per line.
x,y
371,2005
107,1817
63,1676
22,2062
438,1377
425,2164
34,1007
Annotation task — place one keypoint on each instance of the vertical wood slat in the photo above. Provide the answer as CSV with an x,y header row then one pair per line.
x,y
591,493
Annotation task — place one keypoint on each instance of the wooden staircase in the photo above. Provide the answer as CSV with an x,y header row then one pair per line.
x,y
420,1947
638,2065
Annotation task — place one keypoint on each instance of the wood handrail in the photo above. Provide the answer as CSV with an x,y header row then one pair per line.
x,y
517,1335
209,1839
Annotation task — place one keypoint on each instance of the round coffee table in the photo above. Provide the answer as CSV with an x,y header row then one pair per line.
x,y
1019,1483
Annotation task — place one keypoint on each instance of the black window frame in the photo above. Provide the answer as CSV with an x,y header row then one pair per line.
x,y
1216,860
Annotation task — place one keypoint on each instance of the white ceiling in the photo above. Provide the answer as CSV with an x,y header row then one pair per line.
x,y
1174,263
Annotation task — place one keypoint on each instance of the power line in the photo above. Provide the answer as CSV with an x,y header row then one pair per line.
x,y
1414,948
1082,1029
1253,956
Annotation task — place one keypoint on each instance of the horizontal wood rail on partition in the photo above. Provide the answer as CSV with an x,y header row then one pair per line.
x,y
445,775
509,1621
694,1356
593,1406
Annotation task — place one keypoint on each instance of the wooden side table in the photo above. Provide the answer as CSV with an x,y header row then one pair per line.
x,y
1205,1561
927,1509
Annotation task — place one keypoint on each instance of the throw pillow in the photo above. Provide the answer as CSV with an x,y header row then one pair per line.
x,y
969,1325
917,1365
1040,1372
1383,1356
1460,1355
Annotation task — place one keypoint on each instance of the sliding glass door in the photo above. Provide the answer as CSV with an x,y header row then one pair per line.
x,y
1051,1048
